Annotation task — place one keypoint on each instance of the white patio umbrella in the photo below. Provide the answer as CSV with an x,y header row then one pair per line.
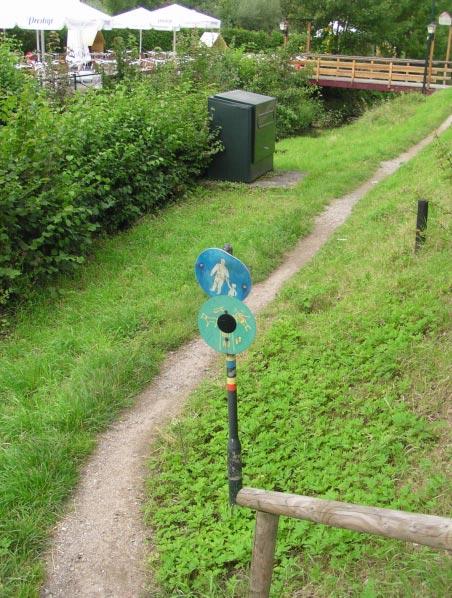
x,y
138,19
41,15
50,15
176,17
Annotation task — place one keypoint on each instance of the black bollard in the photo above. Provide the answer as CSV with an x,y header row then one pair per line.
x,y
421,223
228,247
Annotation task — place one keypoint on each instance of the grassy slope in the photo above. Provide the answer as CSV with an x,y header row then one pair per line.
x,y
343,397
77,357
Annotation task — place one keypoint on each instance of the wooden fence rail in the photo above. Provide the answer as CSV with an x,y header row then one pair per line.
x,y
428,530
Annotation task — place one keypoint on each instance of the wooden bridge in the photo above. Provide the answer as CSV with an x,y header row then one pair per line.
x,y
376,73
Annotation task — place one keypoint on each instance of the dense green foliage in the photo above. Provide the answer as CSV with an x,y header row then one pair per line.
x,y
258,14
97,165
337,400
100,160
269,73
236,37
12,80
251,41
80,351
397,27
26,38
152,39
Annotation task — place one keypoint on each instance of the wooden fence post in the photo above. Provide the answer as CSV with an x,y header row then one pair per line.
x,y
263,554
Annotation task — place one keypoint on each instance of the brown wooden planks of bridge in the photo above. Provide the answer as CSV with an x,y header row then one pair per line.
x,y
380,74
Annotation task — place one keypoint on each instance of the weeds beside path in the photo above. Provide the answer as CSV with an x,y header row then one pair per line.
x,y
344,396
75,360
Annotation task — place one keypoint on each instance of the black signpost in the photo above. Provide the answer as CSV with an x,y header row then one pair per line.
x,y
228,326
234,446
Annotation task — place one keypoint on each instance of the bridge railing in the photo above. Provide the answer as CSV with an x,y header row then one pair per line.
x,y
390,71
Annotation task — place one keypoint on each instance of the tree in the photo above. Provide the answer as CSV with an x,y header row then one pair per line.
x,y
399,26
118,6
227,12
259,14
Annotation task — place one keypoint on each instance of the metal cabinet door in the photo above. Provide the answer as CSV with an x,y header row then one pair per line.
x,y
264,131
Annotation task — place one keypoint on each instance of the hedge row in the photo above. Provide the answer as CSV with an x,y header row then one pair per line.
x,y
152,38
237,37
67,175
251,41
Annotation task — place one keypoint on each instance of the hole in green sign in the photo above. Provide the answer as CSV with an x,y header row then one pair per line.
x,y
226,323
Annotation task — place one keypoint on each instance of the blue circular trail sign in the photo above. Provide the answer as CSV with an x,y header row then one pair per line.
x,y
220,273
226,324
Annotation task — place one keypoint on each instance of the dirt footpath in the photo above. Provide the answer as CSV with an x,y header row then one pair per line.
x,y
100,546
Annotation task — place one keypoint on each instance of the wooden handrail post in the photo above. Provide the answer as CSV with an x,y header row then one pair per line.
x,y
318,67
263,554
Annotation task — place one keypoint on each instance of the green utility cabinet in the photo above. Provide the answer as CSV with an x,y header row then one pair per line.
x,y
247,131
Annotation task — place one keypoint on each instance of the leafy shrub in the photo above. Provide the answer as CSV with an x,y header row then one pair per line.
x,y
98,165
26,39
126,53
272,74
296,43
151,38
344,105
297,109
252,41
268,73
100,160
12,80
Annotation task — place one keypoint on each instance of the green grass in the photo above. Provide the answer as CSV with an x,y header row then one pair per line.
x,y
81,351
343,396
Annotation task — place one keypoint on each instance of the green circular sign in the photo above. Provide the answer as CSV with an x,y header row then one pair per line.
x,y
226,324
